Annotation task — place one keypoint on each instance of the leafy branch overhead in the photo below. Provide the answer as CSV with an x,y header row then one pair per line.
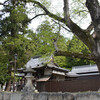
x,y
83,35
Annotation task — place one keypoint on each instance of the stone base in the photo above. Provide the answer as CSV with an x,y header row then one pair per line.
x,y
30,89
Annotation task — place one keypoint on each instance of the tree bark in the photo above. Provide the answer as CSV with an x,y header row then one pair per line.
x,y
75,55
94,9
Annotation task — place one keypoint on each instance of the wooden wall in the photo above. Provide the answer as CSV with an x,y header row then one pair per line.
x,y
84,83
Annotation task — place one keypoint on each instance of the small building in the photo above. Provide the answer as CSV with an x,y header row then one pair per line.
x,y
46,69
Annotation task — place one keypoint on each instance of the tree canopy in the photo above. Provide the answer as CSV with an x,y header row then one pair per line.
x,y
17,38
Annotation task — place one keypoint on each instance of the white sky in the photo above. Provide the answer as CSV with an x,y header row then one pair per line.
x,y
56,7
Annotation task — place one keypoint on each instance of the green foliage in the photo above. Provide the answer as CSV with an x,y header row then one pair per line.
x,y
61,61
75,45
20,45
16,38
46,3
13,32
15,22
78,8
18,14
44,41
46,36
46,33
4,76
3,66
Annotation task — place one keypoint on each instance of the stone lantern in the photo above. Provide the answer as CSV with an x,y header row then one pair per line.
x,y
29,77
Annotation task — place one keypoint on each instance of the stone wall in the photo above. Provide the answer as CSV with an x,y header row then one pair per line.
x,y
49,96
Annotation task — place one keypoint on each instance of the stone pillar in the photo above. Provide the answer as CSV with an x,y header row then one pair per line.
x,y
29,77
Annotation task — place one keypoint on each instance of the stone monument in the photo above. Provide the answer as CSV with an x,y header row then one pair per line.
x,y
29,77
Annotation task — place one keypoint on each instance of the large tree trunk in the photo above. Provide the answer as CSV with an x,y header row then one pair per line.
x,y
94,9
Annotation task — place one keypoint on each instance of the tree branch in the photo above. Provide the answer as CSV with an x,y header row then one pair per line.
x,y
81,11
66,11
55,40
89,28
81,34
94,9
47,11
63,26
75,55
3,3
35,17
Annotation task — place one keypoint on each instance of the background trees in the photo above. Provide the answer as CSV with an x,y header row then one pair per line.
x,y
17,38
13,27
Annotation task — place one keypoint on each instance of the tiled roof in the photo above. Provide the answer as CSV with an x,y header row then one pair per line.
x,y
85,69
37,62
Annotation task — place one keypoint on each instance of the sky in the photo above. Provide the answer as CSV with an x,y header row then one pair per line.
x,y
57,7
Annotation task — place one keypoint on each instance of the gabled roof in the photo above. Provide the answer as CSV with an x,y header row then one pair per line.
x,y
38,62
